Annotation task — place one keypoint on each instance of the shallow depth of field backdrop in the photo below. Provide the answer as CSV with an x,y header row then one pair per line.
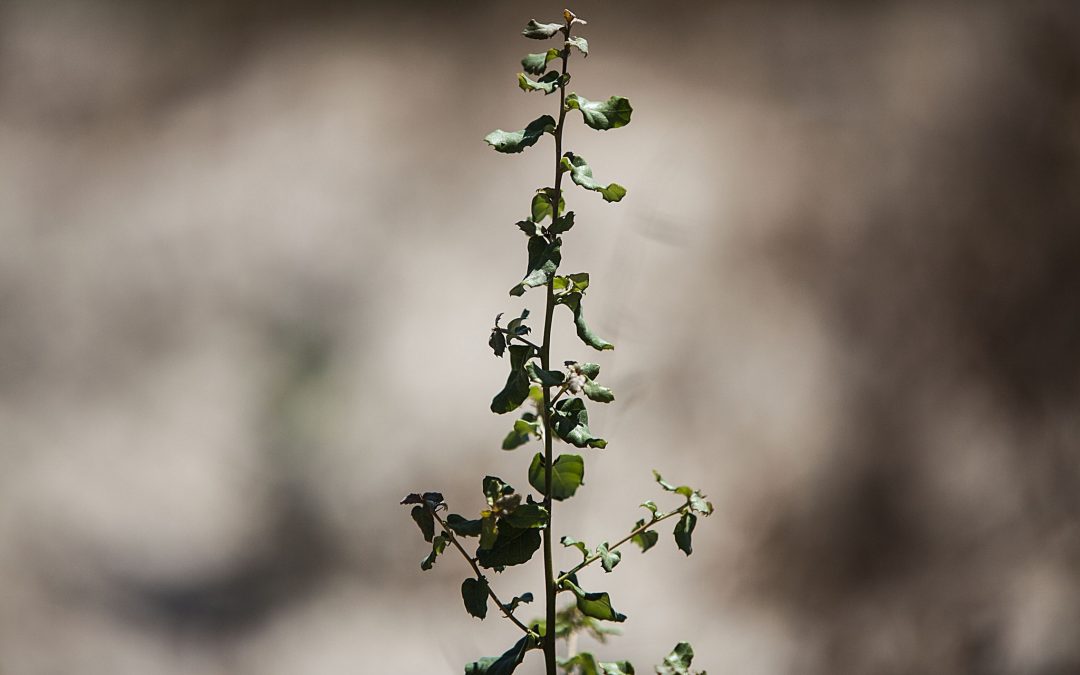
x,y
251,250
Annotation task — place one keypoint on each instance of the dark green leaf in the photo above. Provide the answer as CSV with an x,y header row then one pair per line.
x,y
567,475
645,539
678,661
571,423
474,592
608,559
517,384
596,605
541,204
547,84
536,64
540,31
425,521
544,259
513,546
497,342
548,378
516,141
495,489
519,599
505,664
463,527
573,301
527,515
581,174
523,430
581,43
438,545
683,529
602,115
530,228
562,224
579,545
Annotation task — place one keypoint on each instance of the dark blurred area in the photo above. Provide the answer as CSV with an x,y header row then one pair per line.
x,y
251,251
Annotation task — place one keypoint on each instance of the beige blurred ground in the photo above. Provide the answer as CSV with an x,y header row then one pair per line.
x,y
251,252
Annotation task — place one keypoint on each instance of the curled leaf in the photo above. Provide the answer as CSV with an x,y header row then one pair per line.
x,y
516,141
602,115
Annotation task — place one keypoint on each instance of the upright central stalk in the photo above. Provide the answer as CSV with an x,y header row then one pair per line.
x,y
545,362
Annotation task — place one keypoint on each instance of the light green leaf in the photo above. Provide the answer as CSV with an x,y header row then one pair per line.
x,y
523,430
678,661
571,423
505,664
544,259
567,475
602,115
489,530
438,545
424,521
579,545
608,559
683,529
516,389
581,174
581,43
597,393
646,539
589,370
573,301
513,546
474,592
585,663
698,504
463,527
540,31
516,141
617,668
536,64
547,84
541,204
596,605
651,505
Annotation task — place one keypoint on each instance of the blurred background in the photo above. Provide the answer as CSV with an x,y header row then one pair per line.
x,y
251,252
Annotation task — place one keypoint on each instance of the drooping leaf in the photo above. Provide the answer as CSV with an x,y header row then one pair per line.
x,y
602,115
608,559
581,43
597,393
424,521
547,378
571,423
579,545
596,605
505,664
562,224
540,31
698,504
516,141
541,204
438,545
474,592
645,539
536,64
581,174
462,526
567,475
523,430
573,302
547,84
678,661
544,259
497,342
513,546
683,531
527,515
517,383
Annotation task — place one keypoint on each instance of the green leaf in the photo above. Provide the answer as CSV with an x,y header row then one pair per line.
x,y
527,515
596,605
489,530
608,559
541,204
683,529
516,141
597,393
517,383
523,430
530,228
562,224
463,527
581,174
547,378
544,259
684,490
505,664
497,342
438,545
581,43
646,539
651,505
698,503
424,521
572,300
579,545
585,663
547,84
571,423
567,475
495,488
589,370
602,115
678,661
513,546
536,64
519,599
540,31
617,668
474,592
